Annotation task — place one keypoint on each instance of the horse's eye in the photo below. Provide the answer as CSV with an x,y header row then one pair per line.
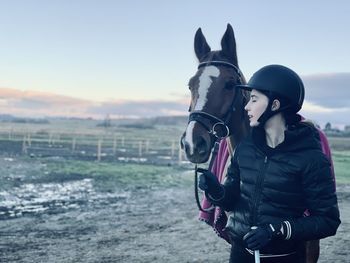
x,y
230,85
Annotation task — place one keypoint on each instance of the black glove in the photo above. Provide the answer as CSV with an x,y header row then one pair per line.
x,y
209,183
259,237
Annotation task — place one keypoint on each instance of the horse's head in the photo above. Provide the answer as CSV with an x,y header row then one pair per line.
x,y
215,102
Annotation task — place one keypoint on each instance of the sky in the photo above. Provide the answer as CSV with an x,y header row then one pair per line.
x,y
133,58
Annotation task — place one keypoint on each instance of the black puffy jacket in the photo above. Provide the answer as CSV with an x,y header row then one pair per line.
x,y
269,185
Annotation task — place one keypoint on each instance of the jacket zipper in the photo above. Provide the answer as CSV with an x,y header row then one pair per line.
x,y
258,190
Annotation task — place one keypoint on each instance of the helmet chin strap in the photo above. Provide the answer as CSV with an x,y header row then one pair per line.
x,y
268,113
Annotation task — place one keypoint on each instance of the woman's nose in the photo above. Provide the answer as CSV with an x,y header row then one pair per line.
x,y
246,107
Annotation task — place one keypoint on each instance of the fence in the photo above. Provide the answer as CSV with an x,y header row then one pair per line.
x,y
97,145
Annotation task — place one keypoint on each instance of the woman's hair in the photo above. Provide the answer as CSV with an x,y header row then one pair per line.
x,y
291,118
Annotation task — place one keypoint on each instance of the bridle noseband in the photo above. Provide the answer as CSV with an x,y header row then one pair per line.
x,y
206,119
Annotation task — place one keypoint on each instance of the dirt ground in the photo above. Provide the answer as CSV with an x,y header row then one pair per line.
x,y
140,225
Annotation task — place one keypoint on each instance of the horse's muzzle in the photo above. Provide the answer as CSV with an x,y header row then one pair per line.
x,y
198,151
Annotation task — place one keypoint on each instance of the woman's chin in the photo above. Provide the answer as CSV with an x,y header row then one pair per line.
x,y
253,124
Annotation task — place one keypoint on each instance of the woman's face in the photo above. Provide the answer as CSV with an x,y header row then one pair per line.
x,y
256,106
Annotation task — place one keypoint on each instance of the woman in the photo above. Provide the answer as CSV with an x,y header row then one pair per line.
x,y
275,175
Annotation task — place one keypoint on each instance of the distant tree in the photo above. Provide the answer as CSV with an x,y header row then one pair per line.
x,y
107,122
328,126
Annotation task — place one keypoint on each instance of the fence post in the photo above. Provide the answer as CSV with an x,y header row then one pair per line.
x,y
114,144
147,146
123,141
140,148
29,140
99,150
10,134
24,146
172,148
73,144
52,139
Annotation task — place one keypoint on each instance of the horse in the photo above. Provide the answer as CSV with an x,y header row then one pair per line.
x,y
217,108
216,111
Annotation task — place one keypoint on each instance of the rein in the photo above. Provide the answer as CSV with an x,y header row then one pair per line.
x,y
206,119
212,159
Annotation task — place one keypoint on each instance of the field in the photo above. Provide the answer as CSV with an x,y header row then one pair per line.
x,y
65,197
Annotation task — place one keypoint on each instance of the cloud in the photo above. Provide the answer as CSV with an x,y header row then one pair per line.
x,y
326,100
41,104
140,108
314,108
329,90
321,114
38,97
29,104
337,120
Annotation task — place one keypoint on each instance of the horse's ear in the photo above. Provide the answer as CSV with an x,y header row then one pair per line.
x,y
201,46
228,44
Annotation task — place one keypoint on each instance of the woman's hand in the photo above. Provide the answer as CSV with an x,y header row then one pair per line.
x,y
260,236
209,183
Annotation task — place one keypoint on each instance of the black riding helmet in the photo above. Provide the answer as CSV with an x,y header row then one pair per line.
x,y
278,82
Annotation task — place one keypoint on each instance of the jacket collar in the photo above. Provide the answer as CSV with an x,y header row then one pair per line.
x,y
297,137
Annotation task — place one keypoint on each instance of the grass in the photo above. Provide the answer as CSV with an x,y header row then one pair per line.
x,y
109,176
339,143
341,161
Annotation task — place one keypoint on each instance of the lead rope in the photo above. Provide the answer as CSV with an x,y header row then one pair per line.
x,y
213,156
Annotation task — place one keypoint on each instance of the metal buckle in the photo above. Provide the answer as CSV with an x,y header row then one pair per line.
x,y
215,131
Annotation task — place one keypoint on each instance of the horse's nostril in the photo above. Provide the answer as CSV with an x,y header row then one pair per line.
x,y
187,147
202,146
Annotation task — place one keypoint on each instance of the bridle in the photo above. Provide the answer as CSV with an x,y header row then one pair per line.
x,y
206,120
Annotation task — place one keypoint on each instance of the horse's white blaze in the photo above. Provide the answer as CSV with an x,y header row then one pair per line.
x,y
205,80
189,138
204,84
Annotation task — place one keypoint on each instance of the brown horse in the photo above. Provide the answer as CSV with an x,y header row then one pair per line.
x,y
217,107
